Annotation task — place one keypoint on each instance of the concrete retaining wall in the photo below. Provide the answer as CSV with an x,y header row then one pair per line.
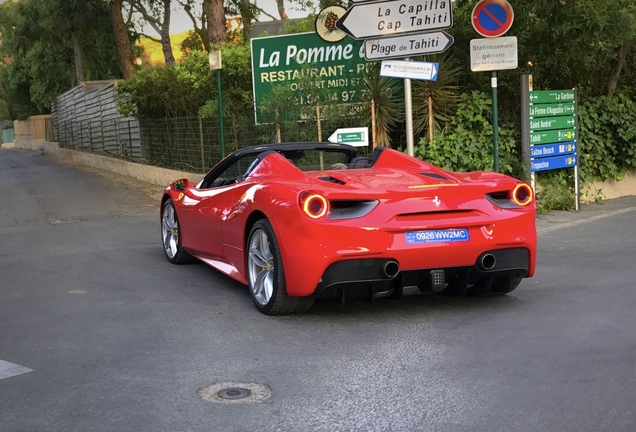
x,y
146,173
611,189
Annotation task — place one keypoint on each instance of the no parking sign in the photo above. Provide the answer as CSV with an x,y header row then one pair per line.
x,y
492,18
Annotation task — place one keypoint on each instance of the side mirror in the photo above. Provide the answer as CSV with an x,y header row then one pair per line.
x,y
180,184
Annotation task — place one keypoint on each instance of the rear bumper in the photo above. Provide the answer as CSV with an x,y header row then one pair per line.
x,y
369,277
319,258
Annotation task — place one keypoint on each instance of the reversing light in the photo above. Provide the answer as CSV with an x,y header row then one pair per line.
x,y
315,206
522,195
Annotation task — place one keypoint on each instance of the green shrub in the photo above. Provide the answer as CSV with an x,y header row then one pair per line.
x,y
466,143
555,190
607,138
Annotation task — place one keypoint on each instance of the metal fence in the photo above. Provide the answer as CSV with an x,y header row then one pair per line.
x,y
190,143
118,137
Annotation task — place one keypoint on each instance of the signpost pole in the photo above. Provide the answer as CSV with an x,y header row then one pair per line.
x,y
222,131
408,107
533,176
526,83
495,121
215,65
577,179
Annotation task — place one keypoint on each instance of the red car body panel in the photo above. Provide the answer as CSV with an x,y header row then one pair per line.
x,y
411,195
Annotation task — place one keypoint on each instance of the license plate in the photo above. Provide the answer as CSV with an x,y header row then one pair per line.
x,y
438,236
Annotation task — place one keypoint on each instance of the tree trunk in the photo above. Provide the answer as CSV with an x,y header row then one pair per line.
x,y
281,9
200,28
79,58
165,35
622,53
215,14
246,19
166,47
121,37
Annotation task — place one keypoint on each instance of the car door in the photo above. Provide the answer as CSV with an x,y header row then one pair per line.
x,y
208,206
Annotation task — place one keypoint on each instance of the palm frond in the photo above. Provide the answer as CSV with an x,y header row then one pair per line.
x,y
444,94
387,104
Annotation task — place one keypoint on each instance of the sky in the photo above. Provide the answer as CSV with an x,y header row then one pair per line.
x,y
180,22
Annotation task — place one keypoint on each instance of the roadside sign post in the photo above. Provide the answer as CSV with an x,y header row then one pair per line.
x,y
409,70
493,18
495,121
408,108
550,131
393,29
215,64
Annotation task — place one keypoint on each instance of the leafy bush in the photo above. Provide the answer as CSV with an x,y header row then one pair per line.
x,y
170,91
189,88
466,143
607,132
555,190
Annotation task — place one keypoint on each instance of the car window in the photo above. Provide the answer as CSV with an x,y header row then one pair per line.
x,y
233,173
314,160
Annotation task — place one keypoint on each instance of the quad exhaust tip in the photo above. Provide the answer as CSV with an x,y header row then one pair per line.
x,y
488,261
390,269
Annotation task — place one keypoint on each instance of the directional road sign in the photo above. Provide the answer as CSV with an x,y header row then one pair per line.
x,y
548,110
550,96
409,69
550,150
546,123
551,163
492,18
357,137
407,46
552,136
392,18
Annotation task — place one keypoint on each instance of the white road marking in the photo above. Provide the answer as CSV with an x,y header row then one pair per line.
x,y
11,369
582,221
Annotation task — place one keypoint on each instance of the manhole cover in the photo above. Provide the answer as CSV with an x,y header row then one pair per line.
x,y
235,392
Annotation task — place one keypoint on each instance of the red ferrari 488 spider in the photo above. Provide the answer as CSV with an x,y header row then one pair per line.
x,y
298,221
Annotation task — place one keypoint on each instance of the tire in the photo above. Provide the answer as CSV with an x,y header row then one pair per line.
x,y
266,276
170,237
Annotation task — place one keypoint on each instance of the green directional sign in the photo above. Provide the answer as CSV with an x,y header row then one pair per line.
x,y
356,136
552,136
546,123
347,138
547,110
551,96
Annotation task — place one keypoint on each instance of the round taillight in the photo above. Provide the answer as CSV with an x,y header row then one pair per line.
x,y
315,206
522,195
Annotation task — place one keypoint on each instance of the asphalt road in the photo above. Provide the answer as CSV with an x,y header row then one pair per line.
x,y
98,332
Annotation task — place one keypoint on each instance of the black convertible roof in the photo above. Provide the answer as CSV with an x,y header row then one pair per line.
x,y
282,147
